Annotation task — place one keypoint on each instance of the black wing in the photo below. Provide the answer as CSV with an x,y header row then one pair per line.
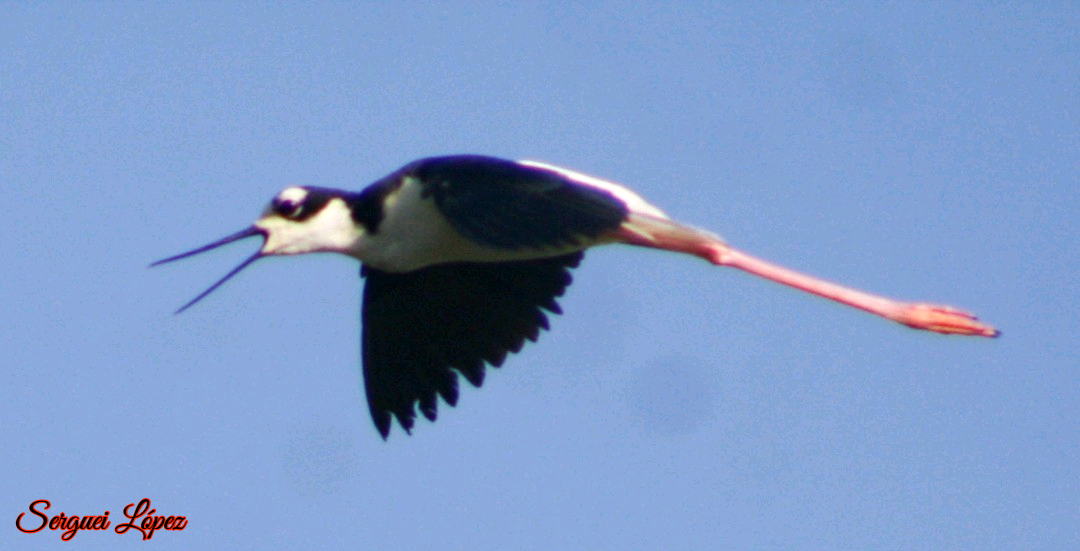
x,y
418,327
508,205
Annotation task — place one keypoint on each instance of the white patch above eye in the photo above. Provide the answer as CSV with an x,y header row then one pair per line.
x,y
633,201
294,194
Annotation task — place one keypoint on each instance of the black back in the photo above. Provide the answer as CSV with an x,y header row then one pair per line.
x,y
507,205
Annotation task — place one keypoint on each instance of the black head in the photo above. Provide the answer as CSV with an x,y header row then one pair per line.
x,y
298,220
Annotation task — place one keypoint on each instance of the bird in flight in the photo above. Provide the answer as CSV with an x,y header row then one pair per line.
x,y
463,257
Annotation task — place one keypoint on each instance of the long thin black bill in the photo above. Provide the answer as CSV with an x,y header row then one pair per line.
x,y
248,232
234,271
242,234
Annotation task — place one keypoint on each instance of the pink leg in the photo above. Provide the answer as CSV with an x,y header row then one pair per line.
x,y
649,231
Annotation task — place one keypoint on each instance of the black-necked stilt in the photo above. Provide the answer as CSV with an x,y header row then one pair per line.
x,y
463,254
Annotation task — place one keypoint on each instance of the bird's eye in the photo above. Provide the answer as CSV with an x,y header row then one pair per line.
x,y
287,208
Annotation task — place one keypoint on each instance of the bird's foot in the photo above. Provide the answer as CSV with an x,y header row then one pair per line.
x,y
944,319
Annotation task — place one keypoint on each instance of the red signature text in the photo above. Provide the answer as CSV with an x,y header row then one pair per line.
x,y
70,525
151,522
140,517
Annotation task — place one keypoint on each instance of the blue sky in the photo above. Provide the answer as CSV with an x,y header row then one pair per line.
x,y
921,151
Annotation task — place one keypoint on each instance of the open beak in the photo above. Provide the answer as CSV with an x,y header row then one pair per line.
x,y
242,234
